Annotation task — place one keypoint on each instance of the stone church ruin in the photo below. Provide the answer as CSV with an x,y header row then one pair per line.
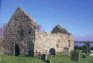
x,y
21,37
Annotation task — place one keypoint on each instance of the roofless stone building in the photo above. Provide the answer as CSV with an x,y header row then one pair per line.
x,y
21,37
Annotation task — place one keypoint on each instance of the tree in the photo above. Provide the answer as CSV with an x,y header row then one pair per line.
x,y
86,48
38,28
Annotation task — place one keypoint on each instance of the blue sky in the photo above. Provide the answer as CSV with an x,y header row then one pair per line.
x,y
74,15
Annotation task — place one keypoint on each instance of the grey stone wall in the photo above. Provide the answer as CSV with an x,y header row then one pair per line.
x,y
19,31
45,41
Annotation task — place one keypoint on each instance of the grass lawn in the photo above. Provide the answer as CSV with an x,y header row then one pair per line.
x,y
15,59
65,59
56,59
0,50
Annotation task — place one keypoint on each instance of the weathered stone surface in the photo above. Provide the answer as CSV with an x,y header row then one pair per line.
x,y
21,31
66,51
75,55
85,49
59,29
45,41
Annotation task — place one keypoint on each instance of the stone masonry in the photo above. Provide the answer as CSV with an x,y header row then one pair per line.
x,y
21,37
45,41
20,33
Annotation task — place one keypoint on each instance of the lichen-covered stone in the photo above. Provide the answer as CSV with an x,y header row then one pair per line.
x,y
59,29
22,38
19,31
45,41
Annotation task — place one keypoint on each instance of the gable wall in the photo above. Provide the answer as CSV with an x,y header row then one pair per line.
x,y
12,34
45,41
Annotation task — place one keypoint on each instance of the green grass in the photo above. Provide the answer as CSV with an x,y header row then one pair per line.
x,y
15,59
0,50
57,59
60,58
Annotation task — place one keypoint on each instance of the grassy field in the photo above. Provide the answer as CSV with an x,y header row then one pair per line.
x,y
0,50
57,59
65,59
14,59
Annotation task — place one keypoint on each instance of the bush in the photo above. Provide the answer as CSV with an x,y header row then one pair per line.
x,y
78,48
83,55
91,48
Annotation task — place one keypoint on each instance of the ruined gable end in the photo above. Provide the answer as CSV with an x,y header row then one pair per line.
x,y
59,40
59,29
19,34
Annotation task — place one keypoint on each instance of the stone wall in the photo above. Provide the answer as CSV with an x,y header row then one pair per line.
x,y
45,41
19,31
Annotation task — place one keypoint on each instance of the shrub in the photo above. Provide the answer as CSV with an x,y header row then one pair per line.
x,y
91,48
83,55
78,48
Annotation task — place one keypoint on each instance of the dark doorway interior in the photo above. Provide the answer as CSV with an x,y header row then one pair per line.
x,y
31,53
52,51
17,50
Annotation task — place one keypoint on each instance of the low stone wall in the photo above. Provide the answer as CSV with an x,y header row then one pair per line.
x,y
45,41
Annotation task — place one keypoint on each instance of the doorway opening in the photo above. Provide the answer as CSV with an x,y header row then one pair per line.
x,y
52,51
17,50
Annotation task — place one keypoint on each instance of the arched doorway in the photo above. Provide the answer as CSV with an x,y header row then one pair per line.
x,y
52,51
17,50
